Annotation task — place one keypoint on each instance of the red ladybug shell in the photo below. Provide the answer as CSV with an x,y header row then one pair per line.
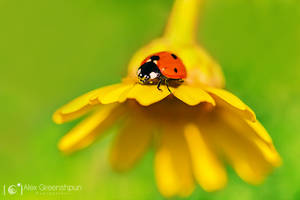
x,y
169,65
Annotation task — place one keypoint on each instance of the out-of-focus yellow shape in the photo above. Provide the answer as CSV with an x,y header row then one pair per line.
x,y
208,170
130,145
172,163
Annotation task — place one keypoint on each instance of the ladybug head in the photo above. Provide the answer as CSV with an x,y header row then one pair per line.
x,y
148,71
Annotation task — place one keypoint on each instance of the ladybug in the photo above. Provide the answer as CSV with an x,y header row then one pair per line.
x,y
162,67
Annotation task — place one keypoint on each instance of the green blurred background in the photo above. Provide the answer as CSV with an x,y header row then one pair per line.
x,y
54,50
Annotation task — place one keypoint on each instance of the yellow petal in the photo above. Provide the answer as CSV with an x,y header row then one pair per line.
x,y
113,96
146,94
87,131
260,131
253,132
243,149
246,160
192,95
60,118
167,181
208,170
172,164
131,143
226,99
81,105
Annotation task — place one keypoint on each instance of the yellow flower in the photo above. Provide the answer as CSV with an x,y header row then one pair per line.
x,y
193,130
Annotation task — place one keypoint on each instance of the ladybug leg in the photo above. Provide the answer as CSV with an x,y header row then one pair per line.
x,y
158,85
167,84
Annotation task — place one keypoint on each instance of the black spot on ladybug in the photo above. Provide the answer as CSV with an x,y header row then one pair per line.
x,y
154,58
175,70
174,56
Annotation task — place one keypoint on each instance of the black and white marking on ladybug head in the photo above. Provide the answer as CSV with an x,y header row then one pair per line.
x,y
148,71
